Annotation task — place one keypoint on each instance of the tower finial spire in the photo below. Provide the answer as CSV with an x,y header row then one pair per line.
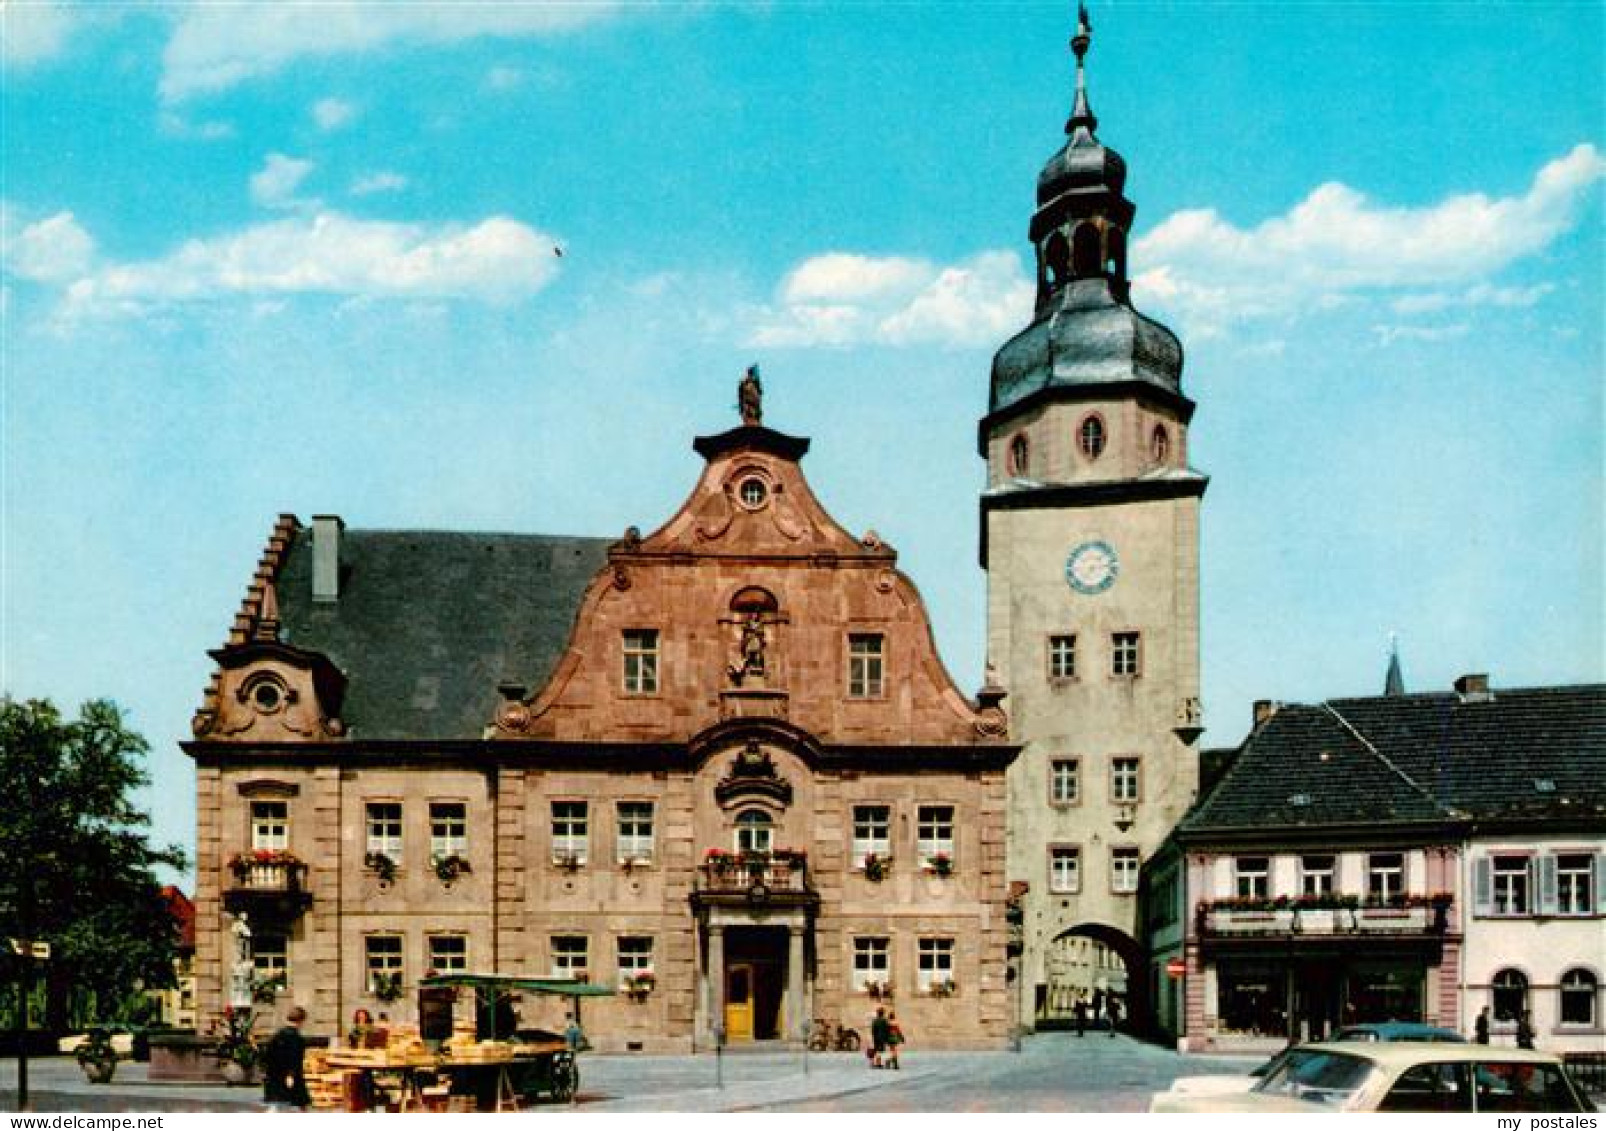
x,y
1081,112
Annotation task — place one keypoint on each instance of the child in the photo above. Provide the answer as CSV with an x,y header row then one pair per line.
x,y
894,1039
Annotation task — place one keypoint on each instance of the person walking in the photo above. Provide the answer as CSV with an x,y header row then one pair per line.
x,y
879,1031
1480,1027
894,1039
284,1083
1525,1031
1080,1010
1112,1005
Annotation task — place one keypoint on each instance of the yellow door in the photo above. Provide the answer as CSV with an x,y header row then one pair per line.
x,y
739,1003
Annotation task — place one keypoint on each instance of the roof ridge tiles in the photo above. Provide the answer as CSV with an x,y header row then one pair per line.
x,y
1386,760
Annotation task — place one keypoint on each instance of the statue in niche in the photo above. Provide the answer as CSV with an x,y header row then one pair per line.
x,y
750,657
750,397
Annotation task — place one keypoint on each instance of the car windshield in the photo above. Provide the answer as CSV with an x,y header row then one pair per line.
x,y
1318,1076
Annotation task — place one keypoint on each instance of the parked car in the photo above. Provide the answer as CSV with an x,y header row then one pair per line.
x,y
1227,1083
1399,1076
1397,1031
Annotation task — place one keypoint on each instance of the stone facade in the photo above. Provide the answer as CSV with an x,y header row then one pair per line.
x,y
719,766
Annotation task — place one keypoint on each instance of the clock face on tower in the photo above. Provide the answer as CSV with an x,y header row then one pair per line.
x,y
1092,567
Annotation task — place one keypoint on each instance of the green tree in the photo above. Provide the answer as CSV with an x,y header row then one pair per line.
x,y
76,864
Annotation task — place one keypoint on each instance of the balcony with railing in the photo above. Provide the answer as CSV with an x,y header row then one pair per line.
x,y
267,884
778,877
1322,917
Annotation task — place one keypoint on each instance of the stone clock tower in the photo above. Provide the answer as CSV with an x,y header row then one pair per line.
x,y
1090,539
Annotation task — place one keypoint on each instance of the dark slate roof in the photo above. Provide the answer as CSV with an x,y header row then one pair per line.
x,y
429,622
1516,755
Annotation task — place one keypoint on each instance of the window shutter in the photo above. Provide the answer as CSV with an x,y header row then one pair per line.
x,y
1600,884
1547,885
1482,886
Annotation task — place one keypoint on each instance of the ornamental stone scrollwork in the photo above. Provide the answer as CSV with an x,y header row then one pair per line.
x,y
885,581
621,578
752,773
992,722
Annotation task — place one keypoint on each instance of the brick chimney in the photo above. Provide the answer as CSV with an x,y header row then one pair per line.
x,y
1264,710
326,530
1473,688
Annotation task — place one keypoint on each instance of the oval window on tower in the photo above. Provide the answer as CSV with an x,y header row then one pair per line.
x,y
1090,437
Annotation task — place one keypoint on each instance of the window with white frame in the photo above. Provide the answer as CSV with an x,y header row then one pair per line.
x,y
1575,893
635,832
635,956
640,661
1126,655
385,828
1579,989
382,959
1509,988
1124,863
1385,877
1316,875
1512,880
270,961
1253,877
1065,781
872,963
1062,656
1064,870
448,829
1126,776
936,964
448,954
569,956
755,831
866,665
570,836
872,832
270,825
934,832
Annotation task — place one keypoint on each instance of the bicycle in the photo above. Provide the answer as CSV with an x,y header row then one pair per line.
x,y
827,1036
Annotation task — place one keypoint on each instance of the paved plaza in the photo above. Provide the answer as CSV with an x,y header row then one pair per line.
x,y
1052,1072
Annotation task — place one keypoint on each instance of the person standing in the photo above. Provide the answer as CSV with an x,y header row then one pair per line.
x,y
1080,1011
894,1039
1112,1005
1525,1031
879,1031
1480,1027
284,1083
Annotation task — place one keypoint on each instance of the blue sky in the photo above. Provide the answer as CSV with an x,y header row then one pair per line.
x,y
301,258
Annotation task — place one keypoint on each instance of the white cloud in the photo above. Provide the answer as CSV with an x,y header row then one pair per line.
x,y
332,113
1336,245
176,125
34,32
497,260
52,250
216,46
1388,335
841,299
382,181
1483,294
275,185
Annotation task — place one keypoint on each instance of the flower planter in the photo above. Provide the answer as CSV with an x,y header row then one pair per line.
x,y
236,1075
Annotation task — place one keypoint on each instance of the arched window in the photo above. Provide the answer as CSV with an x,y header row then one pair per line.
x,y
1160,444
1578,992
1510,995
1057,259
1090,436
1115,258
1020,456
1085,251
755,831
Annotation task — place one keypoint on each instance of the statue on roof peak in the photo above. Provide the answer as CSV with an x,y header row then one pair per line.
x,y
750,397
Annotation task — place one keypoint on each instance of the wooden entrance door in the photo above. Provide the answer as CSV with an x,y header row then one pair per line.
x,y
739,1002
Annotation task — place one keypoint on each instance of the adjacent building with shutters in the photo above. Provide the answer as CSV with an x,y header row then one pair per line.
x,y
719,766
1404,857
